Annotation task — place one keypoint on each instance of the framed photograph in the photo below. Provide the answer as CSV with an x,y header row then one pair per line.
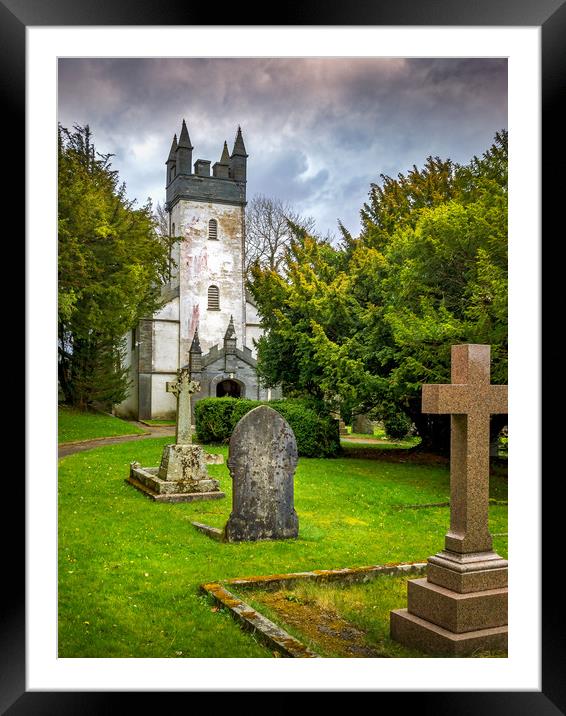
x,y
46,51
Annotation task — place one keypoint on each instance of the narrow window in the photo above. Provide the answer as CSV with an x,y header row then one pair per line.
x,y
172,173
213,229
213,298
134,338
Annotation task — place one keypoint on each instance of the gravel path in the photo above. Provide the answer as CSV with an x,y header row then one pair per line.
x,y
159,431
155,431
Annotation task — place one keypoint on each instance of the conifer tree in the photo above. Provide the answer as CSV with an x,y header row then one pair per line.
x,y
111,266
365,324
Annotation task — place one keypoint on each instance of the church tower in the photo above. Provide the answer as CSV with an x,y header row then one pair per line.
x,y
206,320
207,210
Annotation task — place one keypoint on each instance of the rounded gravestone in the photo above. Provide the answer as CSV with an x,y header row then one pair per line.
x,y
262,459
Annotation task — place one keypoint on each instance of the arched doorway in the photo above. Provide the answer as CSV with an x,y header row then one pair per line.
x,y
228,388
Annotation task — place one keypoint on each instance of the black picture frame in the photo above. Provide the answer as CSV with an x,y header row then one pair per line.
x,y
15,16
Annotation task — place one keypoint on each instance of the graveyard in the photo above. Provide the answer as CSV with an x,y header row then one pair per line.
x,y
131,569
232,498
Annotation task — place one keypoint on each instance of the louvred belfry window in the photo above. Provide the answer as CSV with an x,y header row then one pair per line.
x,y
213,229
213,298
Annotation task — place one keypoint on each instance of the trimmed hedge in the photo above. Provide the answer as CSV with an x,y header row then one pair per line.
x,y
317,435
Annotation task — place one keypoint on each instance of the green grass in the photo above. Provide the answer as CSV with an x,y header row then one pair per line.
x,y
159,422
379,434
385,445
80,425
130,568
366,606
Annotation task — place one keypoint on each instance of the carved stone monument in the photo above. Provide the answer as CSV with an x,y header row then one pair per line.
x,y
182,474
183,387
461,606
342,429
262,460
362,424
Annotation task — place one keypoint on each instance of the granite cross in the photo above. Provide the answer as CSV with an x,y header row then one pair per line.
x,y
470,399
183,388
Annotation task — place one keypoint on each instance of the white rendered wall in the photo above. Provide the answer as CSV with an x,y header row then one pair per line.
x,y
165,346
163,404
253,329
169,311
204,262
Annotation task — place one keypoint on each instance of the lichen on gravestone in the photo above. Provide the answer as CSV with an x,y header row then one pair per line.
x,y
262,460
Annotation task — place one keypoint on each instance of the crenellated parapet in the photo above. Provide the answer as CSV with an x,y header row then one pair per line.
x,y
226,184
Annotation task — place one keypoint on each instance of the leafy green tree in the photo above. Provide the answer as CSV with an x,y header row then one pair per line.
x,y
111,266
363,325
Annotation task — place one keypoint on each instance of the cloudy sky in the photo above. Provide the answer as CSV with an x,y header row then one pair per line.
x,y
317,131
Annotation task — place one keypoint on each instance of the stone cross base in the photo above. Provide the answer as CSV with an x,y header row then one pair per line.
x,y
460,608
181,477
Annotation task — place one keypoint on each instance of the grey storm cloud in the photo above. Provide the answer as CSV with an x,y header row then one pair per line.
x,y
318,130
287,174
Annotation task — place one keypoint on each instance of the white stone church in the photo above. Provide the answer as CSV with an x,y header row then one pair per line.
x,y
207,319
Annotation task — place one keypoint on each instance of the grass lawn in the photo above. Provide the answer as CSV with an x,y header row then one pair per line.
x,y
354,618
379,434
80,425
158,422
350,440
130,568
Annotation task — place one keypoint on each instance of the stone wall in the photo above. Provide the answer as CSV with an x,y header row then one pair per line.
x,y
244,374
205,262
128,408
205,188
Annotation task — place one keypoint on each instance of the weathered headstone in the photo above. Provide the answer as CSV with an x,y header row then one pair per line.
x,y
262,460
362,424
182,475
462,604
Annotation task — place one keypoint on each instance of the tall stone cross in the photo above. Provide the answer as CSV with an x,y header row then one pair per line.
x,y
461,606
183,388
470,399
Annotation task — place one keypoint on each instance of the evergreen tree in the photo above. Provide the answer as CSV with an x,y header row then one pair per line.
x,y
364,325
111,266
